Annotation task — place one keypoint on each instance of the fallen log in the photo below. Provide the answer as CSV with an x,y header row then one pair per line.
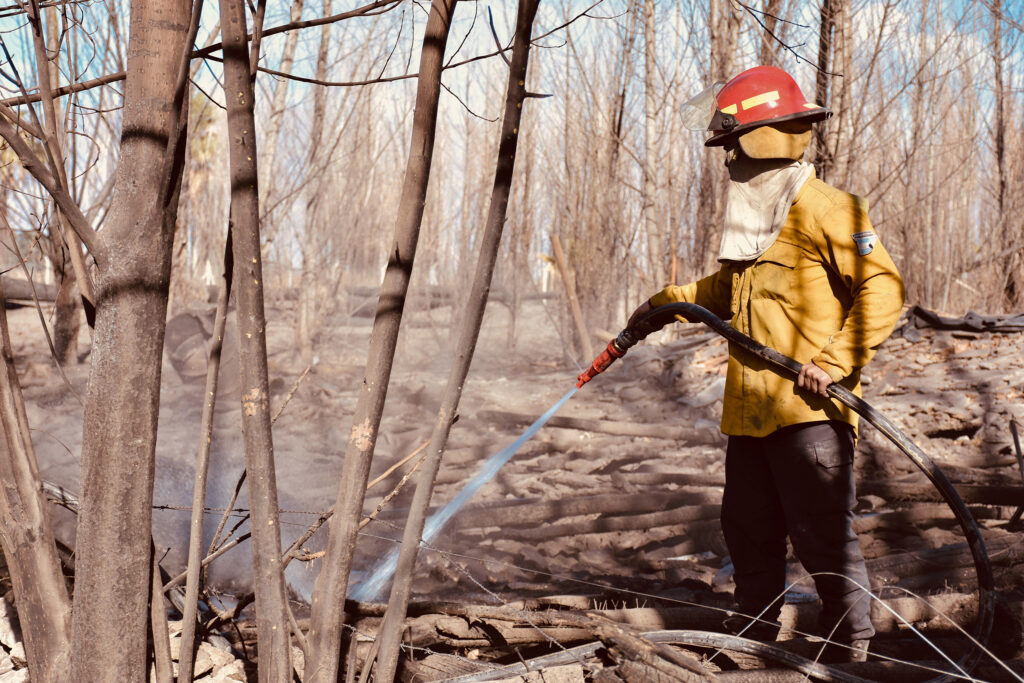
x,y
892,568
905,672
666,478
974,461
487,626
618,428
920,513
682,515
648,660
965,578
703,639
17,289
971,493
459,631
622,506
532,511
981,494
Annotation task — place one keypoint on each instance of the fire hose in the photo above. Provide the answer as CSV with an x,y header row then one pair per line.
x,y
662,315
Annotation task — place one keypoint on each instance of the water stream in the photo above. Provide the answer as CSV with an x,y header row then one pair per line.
x,y
380,576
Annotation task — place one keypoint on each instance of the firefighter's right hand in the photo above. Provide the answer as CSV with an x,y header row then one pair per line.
x,y
639,329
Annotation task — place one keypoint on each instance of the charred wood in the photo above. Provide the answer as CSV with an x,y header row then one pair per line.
x,y
971,493
655,431
530,512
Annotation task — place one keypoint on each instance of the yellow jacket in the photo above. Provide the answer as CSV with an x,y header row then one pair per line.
x,y
814,295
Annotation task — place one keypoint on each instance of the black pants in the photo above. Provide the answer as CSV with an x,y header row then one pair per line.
x,y
798,482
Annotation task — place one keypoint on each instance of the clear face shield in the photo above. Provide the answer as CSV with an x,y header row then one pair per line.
x,y
699,111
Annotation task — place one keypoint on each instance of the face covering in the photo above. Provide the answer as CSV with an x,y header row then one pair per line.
x,y
757,202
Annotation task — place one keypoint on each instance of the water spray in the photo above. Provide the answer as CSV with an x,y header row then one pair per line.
x,y
373,587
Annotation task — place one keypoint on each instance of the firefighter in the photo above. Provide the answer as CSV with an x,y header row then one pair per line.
x,y
802,271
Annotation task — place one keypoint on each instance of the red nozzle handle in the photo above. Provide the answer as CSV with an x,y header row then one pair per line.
x,y
600,363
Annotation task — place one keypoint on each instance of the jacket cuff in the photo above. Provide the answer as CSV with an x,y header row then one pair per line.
x,y
834,371
663,297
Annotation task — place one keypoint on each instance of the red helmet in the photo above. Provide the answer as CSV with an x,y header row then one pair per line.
x,y
759,96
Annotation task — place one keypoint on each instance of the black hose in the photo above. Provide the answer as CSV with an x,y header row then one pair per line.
x,y
659,316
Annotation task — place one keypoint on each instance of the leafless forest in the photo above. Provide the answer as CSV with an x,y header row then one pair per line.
x,y
291,169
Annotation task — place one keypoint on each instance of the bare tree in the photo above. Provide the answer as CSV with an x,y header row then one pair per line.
x,y
268,574
652,176
771,35
119,431
26,535
469,330
821,154
1013,283
332,583
723,35
310,287
64,244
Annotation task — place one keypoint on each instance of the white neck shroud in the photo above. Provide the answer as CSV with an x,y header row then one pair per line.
x,y
757,203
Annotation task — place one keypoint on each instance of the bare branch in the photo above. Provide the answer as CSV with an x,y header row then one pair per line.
x,y
38,170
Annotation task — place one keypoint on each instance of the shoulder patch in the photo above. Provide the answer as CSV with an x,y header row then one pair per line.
x,y
865,242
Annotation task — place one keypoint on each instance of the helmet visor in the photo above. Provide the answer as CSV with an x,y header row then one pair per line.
x,y
698,111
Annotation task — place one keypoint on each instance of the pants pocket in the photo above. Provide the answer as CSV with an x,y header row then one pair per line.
x,y
831,456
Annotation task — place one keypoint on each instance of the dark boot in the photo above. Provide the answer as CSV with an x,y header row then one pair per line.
x,y
845,652
748,627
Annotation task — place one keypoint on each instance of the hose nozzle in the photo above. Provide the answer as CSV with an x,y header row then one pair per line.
x,y
616,349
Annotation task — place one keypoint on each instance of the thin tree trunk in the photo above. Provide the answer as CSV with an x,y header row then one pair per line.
x,y
66,306
66,318
268,155
313,238
822,158
652,204
1014,280
724,29
769,38
162,660
268,576
46,72
44,607
194,572
390,634
839,96
328,611
120,421
195,539
569,282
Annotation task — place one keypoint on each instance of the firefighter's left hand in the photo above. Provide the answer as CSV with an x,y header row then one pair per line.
x,y
813,379
641,331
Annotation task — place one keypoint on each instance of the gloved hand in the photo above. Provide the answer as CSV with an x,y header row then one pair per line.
x,y
641,329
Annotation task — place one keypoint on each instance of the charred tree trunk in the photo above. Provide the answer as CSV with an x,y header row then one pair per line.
x,y
391,630
66,304
313,243
66,322
268,153
44,607
332,584
112,583
1014,280
268,575
653,217
195,539
724,25
47,73
769,37
822,157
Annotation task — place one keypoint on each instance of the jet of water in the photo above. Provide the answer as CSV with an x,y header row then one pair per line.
x,y
385,569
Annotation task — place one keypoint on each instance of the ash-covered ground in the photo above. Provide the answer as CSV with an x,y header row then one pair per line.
x,y
602,512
